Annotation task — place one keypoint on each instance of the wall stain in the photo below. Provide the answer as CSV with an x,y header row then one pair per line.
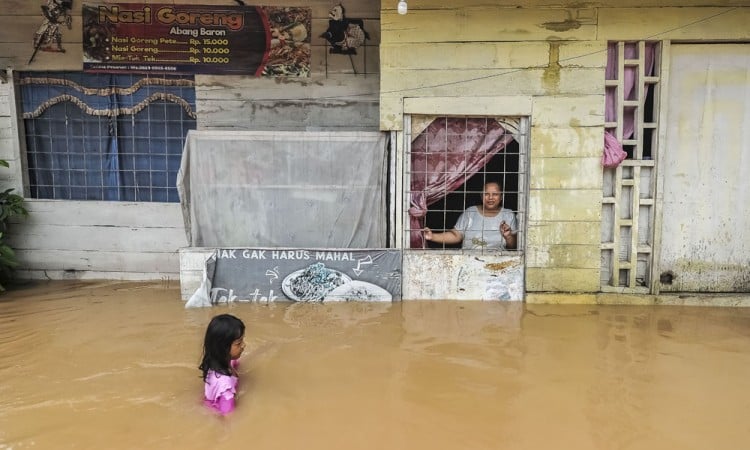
x,y
566,25
551,75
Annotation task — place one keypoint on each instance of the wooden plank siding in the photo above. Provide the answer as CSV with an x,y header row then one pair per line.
x,y
417,6
554,53
117,240
121,240
549,54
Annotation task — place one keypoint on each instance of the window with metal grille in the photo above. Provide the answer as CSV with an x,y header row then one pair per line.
x,y
105,136
632,82
450,163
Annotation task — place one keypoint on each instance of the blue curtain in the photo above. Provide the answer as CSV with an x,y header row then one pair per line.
x,y
105,136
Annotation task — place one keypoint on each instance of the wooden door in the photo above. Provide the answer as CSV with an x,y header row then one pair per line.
x,y
705,229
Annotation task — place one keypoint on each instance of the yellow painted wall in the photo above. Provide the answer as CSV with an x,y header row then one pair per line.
x,y
554,56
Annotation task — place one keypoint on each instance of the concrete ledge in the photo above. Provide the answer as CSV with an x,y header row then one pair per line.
x,y
687,299
192,262
433,275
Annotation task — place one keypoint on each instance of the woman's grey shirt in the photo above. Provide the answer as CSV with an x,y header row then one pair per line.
x,y
482,232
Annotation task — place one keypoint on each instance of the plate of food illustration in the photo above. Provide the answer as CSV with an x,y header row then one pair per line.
x,y
358,291
313,283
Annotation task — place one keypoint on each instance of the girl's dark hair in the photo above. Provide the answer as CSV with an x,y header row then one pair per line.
x,y
221,332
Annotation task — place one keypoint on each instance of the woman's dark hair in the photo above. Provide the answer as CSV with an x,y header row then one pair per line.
x,y
221,332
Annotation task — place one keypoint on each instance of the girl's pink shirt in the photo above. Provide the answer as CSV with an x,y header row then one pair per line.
x,y
220,390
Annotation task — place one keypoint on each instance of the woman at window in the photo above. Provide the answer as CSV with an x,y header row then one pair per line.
x,y
487,226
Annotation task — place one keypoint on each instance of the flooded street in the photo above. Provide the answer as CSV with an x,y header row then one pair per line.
x,y
114,365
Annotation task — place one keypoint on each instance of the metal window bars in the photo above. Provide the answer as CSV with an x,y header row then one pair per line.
x,y
462,156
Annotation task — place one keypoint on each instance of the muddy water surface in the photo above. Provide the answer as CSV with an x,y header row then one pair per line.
x,y
113,365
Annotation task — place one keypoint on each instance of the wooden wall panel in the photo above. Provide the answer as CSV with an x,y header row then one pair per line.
x,y
248,103
622,24
487,24
289,115
563,255
64,239
337,87
565,173
546,233
113,237
570,110
101,213
473,83
563,279
360,9
119,240
580,205
100,261
370,9
17,32
566,142
460,56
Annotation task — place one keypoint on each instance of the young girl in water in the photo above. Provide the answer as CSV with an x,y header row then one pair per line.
x,y
222,347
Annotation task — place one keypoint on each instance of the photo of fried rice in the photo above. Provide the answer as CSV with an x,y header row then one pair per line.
x,y
290,50
97,37
313,283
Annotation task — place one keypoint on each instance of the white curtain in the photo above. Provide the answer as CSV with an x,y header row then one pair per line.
x,y
284,189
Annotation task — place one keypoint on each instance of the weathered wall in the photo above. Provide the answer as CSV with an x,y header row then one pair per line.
x,y
7,136
548,54
707,180
552,53
64,239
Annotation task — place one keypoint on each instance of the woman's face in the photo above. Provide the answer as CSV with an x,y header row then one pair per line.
x,y
238,346
492,198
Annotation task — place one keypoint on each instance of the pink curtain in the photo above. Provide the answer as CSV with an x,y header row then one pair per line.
x,y
443,157
613,152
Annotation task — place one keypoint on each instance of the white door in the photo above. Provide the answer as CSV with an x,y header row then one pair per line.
x,y
705,233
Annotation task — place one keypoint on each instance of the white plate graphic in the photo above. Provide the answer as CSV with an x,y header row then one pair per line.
x,y
358,291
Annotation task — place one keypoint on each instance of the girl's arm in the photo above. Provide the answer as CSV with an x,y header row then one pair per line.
x,y
226,403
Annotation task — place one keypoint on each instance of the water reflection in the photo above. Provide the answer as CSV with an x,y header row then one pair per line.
x,y
114,365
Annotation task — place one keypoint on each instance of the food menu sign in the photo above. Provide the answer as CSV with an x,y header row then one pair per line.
x,y
198,39
304,275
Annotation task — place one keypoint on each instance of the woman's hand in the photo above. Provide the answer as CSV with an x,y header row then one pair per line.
x,y
508,235
505,230
427,233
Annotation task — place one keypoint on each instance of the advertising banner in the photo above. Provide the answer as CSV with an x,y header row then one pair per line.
x,y
196,39
304,275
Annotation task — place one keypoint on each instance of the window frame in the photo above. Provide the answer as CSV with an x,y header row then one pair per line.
x,y
521,139
629,191
154,193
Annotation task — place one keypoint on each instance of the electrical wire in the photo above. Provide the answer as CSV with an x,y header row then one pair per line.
x,y
495,75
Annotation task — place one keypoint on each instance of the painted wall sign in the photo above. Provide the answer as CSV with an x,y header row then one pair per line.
x,y
198,39
304,275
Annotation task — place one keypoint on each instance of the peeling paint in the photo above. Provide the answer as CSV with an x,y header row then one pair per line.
x,y
499,266
438,276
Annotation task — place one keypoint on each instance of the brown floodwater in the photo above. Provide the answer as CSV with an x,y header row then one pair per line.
x,y
114,365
